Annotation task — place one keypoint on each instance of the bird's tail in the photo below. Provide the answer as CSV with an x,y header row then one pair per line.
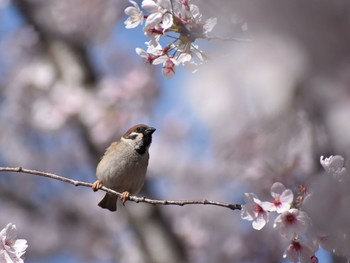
x,y
109,202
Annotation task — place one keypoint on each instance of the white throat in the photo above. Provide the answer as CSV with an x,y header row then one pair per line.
x,y
134,143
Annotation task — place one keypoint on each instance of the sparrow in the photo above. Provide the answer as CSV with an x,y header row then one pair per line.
x,y
123,166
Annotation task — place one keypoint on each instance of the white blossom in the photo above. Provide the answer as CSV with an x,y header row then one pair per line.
x,y
292,223
150,6
252,210
135,15
160,12
11,249
334,166
154,33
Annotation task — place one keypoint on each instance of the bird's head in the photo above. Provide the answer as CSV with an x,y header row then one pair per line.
x,y
140,137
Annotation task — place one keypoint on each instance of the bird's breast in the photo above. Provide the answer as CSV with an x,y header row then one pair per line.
x,y
124,170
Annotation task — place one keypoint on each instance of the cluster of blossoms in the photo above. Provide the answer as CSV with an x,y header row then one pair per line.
x,y
177,20
292,222
11,249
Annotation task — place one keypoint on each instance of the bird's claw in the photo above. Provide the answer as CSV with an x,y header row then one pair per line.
x,y
96,185
125,196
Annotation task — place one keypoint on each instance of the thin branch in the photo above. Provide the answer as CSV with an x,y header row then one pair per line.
x,y
131,198
246,40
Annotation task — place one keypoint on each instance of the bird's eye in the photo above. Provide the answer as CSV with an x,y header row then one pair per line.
x,y
139,129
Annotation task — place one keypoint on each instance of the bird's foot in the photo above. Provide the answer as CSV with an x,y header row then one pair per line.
x,y
125,196
96,185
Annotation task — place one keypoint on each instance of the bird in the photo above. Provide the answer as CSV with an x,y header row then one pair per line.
x,y
123,166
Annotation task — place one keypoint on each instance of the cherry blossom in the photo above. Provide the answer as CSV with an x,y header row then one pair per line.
x,y
135,15
11,249
154,33
169,68
334,166
159,13
300,251
148,56
252,210
181,23
282,199
292,222
325,203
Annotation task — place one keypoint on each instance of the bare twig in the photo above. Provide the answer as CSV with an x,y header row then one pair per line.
x,y
131,198
246,40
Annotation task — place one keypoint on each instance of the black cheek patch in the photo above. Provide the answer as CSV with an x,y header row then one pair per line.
x,y
132,136
146,142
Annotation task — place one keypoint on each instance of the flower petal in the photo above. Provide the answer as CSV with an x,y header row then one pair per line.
x,y
287,196
150,6
167,21
259,222
277,189
153,19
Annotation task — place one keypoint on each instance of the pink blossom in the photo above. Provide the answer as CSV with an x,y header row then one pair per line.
x,y
169,65
282,199
300,251
169,68
252,210
292,222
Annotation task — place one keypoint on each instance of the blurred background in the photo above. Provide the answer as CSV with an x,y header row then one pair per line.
x,y
256,113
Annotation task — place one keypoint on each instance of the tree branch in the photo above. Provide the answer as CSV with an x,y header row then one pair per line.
x,y
131,198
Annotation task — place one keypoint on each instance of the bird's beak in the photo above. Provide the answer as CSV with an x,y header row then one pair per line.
x,y
150,130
